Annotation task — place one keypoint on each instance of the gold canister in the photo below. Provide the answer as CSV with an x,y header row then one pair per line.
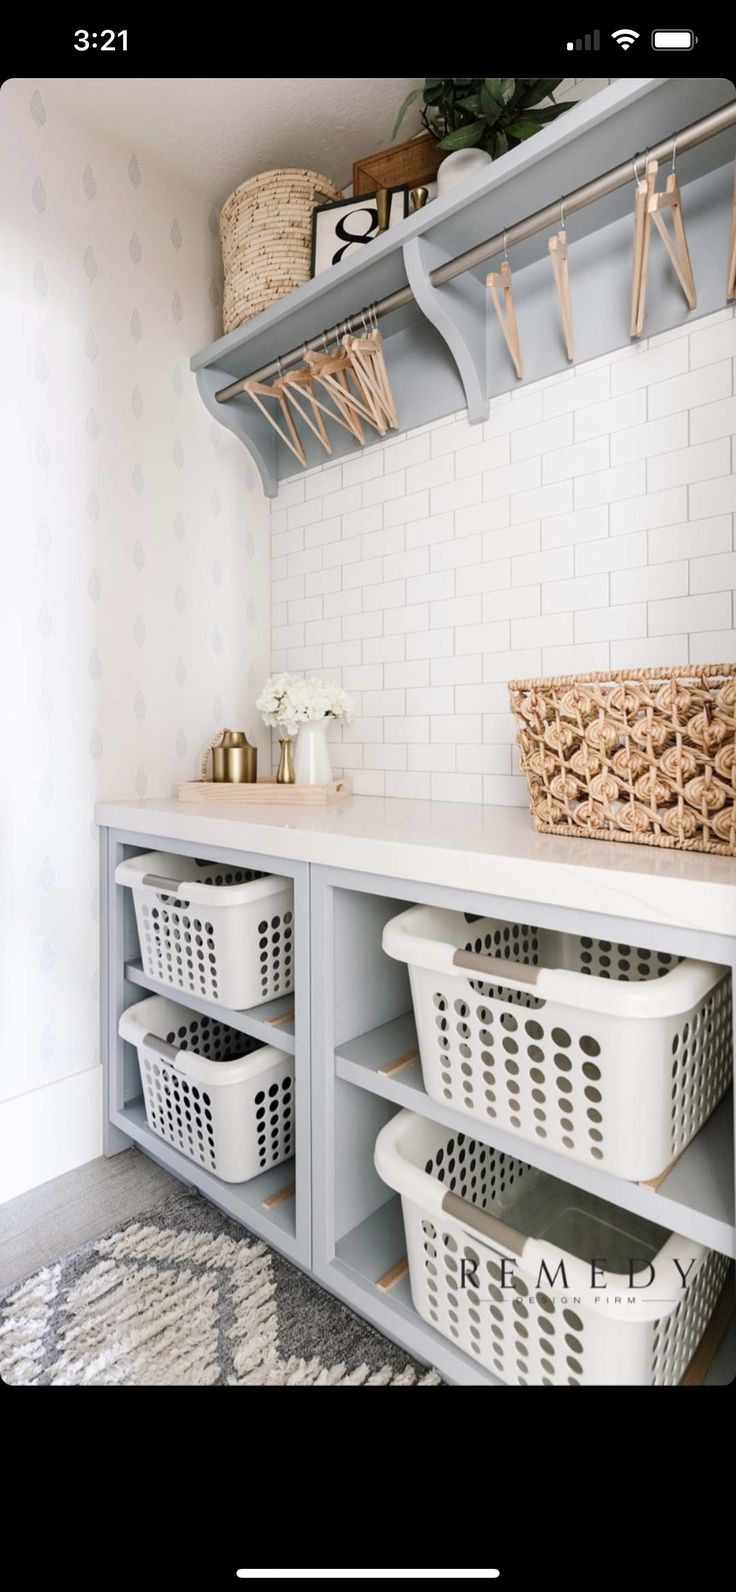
x,y
241,764
234,761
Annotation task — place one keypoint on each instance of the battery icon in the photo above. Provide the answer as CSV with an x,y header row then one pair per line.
x,y
673,39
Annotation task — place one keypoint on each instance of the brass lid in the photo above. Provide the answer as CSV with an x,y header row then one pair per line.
x,y
234,738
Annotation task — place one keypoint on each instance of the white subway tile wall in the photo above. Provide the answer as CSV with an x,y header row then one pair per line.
x,y
588,524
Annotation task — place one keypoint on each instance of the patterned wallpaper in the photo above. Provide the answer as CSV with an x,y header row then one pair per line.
x,y
134,598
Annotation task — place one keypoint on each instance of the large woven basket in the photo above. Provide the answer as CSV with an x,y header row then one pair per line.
x,y
633,755
266,237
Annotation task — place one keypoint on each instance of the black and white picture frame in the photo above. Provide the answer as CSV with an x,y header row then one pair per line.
x,y
344,226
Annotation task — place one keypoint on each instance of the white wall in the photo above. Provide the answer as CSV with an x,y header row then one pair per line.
x,y
587,524
134,578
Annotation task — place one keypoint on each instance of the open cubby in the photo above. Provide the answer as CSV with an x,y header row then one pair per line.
x,y
276,1203
366,1067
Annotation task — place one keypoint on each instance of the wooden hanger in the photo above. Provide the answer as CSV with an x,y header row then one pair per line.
x,y
302,381
341,414
650,203
506,312
361,351
378,358
644,189
373,345
731,273
331,371
675,241
557,247
259,389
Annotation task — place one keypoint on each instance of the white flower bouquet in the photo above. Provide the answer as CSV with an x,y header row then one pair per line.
x,y
287,701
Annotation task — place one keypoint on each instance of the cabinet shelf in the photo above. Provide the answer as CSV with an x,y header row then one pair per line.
x,y
247,1202
272,1023
435,346
695,1199
368,1252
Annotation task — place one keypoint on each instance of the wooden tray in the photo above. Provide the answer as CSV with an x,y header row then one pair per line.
x,y
265,790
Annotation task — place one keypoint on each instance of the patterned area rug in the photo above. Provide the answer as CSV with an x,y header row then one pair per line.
x,y
181,1297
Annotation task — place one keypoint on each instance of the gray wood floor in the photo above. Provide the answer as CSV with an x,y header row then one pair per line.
x,y
48,1222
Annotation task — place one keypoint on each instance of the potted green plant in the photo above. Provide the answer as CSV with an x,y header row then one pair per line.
x,y
482,117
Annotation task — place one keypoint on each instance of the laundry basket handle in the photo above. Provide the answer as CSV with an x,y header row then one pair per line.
x,y
160,881
484,1224
496,970
161,1048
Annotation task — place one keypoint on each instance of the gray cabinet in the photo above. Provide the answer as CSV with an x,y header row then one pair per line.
x,y
351,1030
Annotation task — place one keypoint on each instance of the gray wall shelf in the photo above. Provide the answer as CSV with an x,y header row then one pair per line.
x,y
442,352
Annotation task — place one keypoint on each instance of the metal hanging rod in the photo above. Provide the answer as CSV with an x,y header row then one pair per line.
x,y
617,177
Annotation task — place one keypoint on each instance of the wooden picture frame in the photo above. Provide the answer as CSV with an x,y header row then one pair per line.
x,y
413,164
329,246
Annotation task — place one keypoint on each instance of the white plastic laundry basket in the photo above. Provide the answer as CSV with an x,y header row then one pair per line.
x,y
481,1226
211,929
607,1053
215,1094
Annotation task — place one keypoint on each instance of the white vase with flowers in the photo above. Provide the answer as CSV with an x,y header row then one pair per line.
x,y
304,708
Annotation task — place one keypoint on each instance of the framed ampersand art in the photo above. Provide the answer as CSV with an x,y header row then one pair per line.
x,y
342,227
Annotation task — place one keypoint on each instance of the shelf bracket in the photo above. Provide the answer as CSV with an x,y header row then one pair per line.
x,y
242,418
458,312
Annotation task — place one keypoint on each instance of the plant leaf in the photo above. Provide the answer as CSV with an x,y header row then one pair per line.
x,y
494,90
464,137
547,113
491,106
508,86
522,127
471,102
410,98
538,88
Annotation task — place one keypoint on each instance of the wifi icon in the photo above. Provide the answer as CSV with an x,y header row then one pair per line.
x,y
625,37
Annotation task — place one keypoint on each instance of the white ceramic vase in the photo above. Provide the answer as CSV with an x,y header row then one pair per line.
x,y
312,755
458,167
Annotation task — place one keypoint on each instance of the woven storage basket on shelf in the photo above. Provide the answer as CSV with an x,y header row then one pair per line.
x,y
266,237
633,755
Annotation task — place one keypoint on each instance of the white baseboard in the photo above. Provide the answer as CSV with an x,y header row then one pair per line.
x,y
50,1131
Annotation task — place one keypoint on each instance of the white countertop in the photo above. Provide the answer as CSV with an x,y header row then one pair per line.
x,y
493,849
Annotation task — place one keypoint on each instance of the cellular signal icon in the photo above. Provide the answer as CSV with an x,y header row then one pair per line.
x,y
625,37
589,41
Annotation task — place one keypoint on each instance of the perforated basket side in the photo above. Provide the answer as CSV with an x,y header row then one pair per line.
x,y
676,1336
235,1130
239,956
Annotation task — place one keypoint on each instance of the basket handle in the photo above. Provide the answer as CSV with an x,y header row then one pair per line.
x,y
496,970
161,882
161,1048
483,1224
